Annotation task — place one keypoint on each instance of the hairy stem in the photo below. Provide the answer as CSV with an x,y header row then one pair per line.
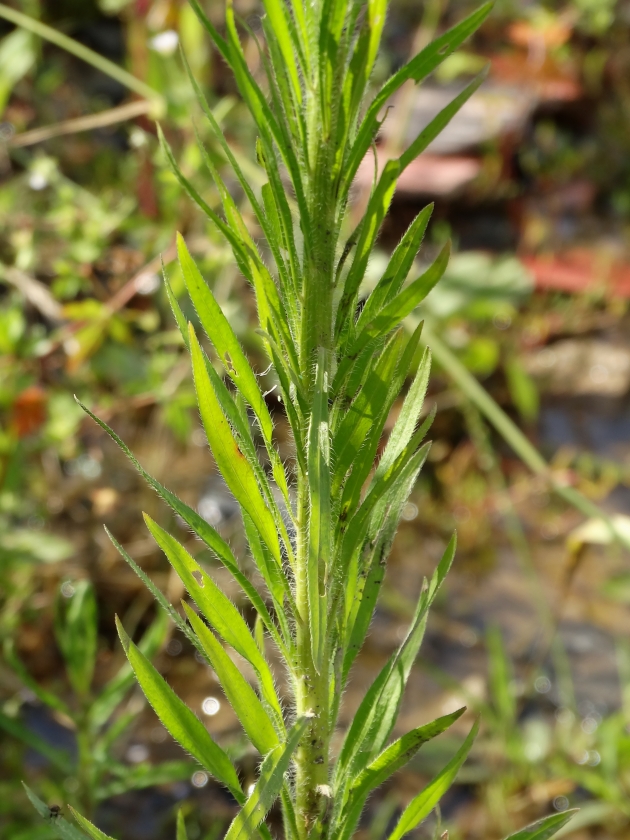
x,y
312,758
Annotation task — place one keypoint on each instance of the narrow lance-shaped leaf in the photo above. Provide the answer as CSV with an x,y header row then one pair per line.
x,y
379,539
61,759
216,608
545,828
114,691
363,411
231,462
223,337
378,709
370,227
398,268
282,31
269,305
439,123
319,544
274,241
404,303
61,826
182,834
364,463
406,422
177,718
418,68
392,759
242,698
90,829
422,805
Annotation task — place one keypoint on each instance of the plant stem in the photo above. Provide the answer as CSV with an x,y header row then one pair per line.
x,y
312,695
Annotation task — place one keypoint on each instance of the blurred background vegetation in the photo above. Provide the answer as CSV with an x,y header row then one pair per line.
x,y
532,183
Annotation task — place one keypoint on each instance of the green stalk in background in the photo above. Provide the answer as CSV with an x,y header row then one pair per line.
x,y
319,530
42,30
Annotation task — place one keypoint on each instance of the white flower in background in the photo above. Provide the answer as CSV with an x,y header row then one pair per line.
x,y
165,43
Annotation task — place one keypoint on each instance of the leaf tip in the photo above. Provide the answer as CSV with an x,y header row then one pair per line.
x,y
122,634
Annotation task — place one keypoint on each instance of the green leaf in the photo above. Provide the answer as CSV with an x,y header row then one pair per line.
x,y
177,718
181,826
404,303
418,68
268,786
46,697
144,775
545,828
60,825
364,463
363,411
439,123
270,128
216,608
398,268
319,551
280,26
153,589
362,597
76,632
243,699
406,422
422,805
239,423
266,221
369,229
231,462
90,829
223,337
392,759
377,712
408,463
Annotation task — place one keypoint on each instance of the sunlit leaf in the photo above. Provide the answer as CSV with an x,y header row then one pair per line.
x,y
177,718
422,805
